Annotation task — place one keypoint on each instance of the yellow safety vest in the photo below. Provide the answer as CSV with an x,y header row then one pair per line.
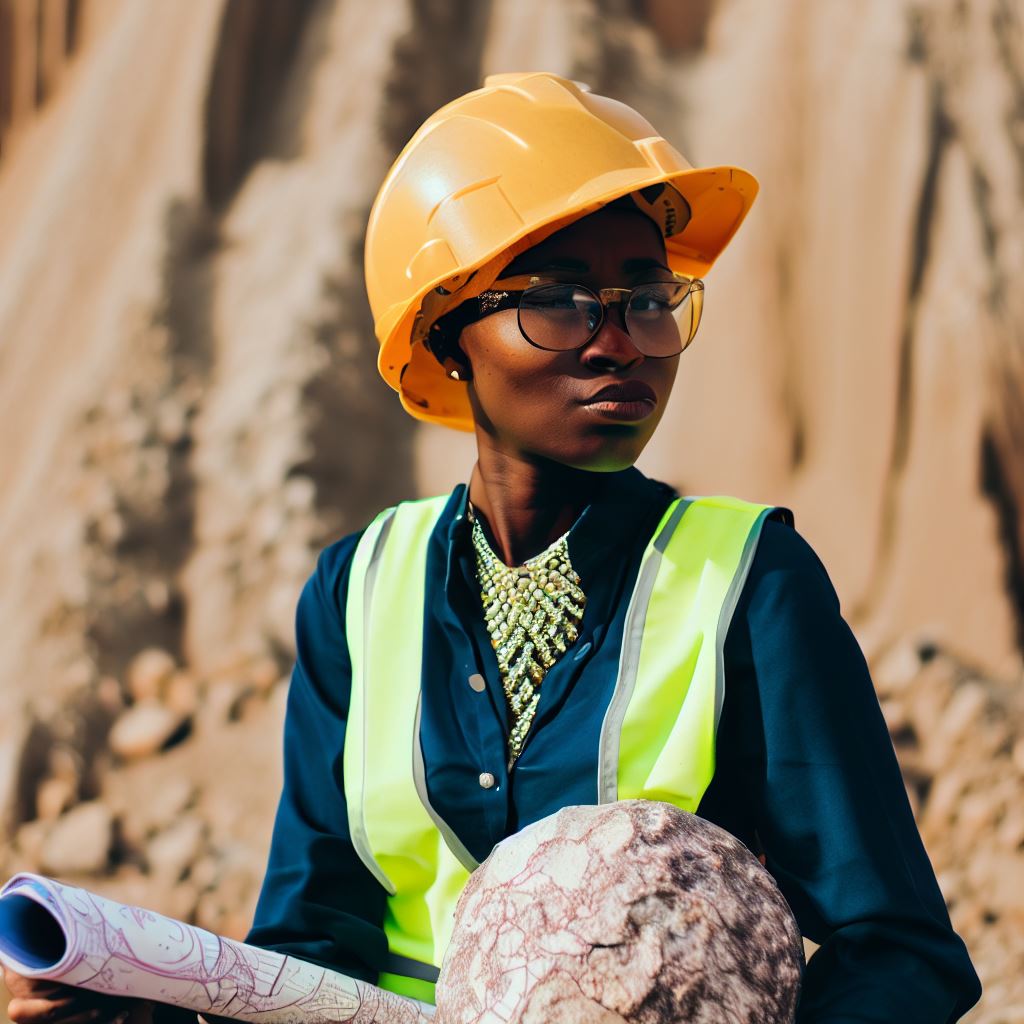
x,y
658,736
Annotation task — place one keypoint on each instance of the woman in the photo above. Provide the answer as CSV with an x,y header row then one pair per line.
x,y
537,638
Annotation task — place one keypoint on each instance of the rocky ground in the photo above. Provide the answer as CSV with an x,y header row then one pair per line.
x,y
173,810
158,788
959,737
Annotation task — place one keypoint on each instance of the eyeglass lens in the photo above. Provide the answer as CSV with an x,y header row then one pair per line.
x,y
661,318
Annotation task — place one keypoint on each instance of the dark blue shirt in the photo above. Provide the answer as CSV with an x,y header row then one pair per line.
x,y
805,769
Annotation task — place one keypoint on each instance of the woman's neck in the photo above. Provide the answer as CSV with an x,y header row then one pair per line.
x,y
528,504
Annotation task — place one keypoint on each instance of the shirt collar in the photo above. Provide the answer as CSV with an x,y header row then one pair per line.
x,y
622,506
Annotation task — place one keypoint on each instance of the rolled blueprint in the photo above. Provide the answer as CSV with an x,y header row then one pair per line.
x,y
64,933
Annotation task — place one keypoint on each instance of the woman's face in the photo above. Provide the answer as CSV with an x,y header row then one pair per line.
x,y
537,403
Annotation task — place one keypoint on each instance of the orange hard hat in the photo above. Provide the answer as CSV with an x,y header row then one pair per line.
x,y
493,173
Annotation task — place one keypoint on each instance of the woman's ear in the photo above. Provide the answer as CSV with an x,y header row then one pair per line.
x,y
443,340
444,346
457,369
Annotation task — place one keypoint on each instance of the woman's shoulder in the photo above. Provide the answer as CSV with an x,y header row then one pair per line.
x,y
784,552
787,586
788,635
334,558
329,579
326,587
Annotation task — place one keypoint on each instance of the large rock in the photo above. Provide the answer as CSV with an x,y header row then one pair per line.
x,y
629,912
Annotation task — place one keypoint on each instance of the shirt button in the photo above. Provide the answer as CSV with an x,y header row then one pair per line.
x,y
486,780
476,682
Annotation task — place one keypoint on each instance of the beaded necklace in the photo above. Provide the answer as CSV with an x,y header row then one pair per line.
x,y
533,613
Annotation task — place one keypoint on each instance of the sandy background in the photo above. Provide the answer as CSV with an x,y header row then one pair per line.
x,y
190,410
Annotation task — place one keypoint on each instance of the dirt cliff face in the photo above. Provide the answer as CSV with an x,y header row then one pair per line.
x,y
191,408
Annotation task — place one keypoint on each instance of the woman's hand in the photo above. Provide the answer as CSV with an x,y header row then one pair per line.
x,y
37,1001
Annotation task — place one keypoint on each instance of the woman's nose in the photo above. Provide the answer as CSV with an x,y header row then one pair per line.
x,y
611,349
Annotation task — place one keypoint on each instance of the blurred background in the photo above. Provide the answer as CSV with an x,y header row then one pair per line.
x,y
190,410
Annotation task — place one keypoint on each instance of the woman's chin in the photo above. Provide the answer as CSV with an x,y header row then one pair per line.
x,y
601,454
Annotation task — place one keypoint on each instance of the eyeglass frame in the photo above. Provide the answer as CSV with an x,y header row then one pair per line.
x,y
493,300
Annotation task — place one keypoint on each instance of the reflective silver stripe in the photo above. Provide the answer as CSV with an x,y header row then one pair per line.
x,y
629,660
732,597
461,854
409,968
360,840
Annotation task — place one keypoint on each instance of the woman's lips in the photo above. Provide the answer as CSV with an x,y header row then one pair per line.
x,y
628,412
629,401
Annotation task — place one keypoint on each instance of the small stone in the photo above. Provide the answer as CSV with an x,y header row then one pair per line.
x,y
1011,830
172,421
54,796
299,493
977,812
995,877
80,674
276,705
148,672
65,763
181,904
224,702
110,528
225,910
171,853
959,720
237,880
182,693
1018,755
144,729
210,912
897,669
913,799
110,694
29,839
158,595
79,842
205,872
894,711
263,674
925,709
166,804
943,798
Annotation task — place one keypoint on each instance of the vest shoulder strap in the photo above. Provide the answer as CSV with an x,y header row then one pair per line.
x,y
657,739
386,586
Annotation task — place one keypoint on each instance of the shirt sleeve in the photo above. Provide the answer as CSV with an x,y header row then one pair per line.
x,y
833,814
318,901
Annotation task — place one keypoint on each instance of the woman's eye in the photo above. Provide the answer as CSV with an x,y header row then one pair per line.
x,y
649,303
555,298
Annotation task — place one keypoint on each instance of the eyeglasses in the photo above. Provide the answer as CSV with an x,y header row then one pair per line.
x,y
661,317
